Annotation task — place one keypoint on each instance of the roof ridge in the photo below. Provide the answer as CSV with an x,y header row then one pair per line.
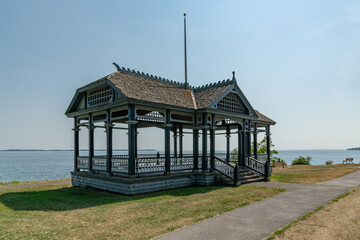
x,y
146,75
212,85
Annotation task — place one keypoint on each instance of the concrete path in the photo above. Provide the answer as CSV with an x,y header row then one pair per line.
x,y
260,219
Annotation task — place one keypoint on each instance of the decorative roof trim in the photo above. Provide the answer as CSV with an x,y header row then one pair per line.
x,y
146,75
216,84
154,77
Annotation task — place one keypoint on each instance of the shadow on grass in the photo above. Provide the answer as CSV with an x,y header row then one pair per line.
x,y
71,198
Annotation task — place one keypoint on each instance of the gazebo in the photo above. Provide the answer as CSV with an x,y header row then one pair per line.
x,y
140,100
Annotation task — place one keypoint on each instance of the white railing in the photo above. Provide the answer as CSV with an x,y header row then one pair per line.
x,y
120,164
99,163
224,168
255,165
149,165
232,157
181,163
83,162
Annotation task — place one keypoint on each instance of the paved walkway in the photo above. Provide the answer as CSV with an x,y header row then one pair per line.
x,y
260,219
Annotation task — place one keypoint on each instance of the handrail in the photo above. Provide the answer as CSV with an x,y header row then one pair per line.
x,y
225,168
255,165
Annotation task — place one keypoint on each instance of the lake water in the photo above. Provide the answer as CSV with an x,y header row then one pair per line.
x,y
50,165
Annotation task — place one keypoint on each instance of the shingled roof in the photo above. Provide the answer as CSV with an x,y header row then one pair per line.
x,y
136,86
149,88
206,95
263,118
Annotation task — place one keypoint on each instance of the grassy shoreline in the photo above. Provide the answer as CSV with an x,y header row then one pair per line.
x,y
309,174
15,182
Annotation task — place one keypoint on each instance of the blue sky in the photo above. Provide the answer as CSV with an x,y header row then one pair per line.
x,y
297,62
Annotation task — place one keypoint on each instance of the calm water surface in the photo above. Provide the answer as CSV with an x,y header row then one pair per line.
x,y
50,165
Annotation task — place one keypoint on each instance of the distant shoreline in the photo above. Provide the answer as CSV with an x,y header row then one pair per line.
x,y
356,148
42,150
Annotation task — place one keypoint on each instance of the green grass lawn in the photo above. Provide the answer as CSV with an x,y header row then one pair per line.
x,y
307,174
64,212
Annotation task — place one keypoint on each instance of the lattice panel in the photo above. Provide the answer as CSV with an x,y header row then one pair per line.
x,y
99,96
230,103
153,116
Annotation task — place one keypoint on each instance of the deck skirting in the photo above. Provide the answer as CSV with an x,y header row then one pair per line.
x,y
143,184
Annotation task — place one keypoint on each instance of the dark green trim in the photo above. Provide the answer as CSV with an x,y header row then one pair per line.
x,y
131,140
212,142
91,141
76,144
228,143
167,142
255,142
204,142
196,143
108,142
239,146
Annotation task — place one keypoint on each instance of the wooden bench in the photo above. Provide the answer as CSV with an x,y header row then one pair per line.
x,y
278,164
348,161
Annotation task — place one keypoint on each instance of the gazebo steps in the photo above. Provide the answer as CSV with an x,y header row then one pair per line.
x,y
245,176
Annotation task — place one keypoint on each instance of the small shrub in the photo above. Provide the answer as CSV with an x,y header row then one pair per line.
x,y
277,160
329,162
302,161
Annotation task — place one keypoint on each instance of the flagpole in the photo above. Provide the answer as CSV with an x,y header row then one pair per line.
x,y
186,83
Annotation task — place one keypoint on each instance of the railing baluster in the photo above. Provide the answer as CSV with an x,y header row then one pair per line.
x,y
255,165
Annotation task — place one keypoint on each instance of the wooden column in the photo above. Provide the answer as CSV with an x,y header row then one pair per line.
x,y
227,143
131,139
109,149
175,140
167,142
181,135
267,165
91,142
204,142
268,141
239,146
255,141
243,142
196,143
212,142
136,141
76,143
249,139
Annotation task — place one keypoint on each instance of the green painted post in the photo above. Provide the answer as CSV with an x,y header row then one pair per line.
x,y
181,135
131,139
91,142
76,144
175,140
255,141
196,143
136,141
267,166
212,142
204,142
243,143
167,142
228,143
239,146
236,175
109,148
249,139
